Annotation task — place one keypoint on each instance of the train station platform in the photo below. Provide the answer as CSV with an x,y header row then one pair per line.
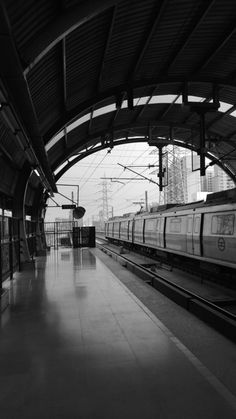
x,y
77,343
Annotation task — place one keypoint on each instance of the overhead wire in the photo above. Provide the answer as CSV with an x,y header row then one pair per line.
x,y
129,182
94,170
126,156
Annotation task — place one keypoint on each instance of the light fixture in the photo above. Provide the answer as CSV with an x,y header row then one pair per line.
x,y
36,172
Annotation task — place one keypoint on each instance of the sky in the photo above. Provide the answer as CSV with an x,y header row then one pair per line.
x,y
122,193
125,189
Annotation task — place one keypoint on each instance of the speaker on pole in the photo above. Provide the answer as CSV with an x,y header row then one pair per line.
x,y
78,212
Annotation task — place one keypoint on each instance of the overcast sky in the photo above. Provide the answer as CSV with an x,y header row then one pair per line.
x,y
123,194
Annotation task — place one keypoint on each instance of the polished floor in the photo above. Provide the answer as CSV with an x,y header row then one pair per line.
x,y
76,343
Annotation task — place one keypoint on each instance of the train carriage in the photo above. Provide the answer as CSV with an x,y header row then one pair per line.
x,y
204,231
120,229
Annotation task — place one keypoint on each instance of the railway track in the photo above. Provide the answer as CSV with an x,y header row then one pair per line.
x,y
221,318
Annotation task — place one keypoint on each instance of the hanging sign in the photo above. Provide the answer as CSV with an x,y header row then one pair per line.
x,y
72,206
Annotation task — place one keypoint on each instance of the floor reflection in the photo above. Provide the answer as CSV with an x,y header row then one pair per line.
x,y
84,259
77,345
66,256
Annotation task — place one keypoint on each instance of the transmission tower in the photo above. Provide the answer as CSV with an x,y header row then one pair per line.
x,y
176,191
104,213
105,200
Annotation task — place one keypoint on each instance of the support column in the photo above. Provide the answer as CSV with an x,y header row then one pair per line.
x,y
202,145
161,171
201,108
18,211
146,201
36,216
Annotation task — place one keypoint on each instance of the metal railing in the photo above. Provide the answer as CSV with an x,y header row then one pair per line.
x,y
10,247
11,244
59,233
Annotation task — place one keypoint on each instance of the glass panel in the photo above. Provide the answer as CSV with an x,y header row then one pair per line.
x,y
190,225
197,225
222,224
175,225
116,227
150,224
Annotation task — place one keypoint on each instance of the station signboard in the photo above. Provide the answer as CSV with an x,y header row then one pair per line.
x,y
72,206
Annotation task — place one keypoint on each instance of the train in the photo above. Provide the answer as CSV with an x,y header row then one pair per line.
x,y
201,235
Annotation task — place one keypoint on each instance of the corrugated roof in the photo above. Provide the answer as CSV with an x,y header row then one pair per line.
x,y
77,57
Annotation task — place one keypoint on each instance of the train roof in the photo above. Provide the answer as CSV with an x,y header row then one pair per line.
x,y
213,199
217,198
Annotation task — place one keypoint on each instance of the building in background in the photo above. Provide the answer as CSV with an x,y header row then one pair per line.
x,y
197,186
184,181
221,181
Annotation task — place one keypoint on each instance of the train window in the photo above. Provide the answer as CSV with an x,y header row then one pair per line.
x,y
161,224
116,227
222,224
197,225
138,224
150,224
190,225
109,229
175,225
130,226
124,228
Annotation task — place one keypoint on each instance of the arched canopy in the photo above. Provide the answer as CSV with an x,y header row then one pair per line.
x,y
76,76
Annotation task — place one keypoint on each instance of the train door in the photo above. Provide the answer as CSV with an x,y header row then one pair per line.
x,y
162,232
190,247
130,231
197,235
112,230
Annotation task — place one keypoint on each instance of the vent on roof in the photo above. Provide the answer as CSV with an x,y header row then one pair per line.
x,y
162,207
128,214
223,196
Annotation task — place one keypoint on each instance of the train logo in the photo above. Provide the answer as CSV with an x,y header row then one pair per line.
x,y
221,244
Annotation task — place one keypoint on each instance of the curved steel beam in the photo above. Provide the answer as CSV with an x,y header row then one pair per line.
x,y
142,139
94,150
62,26
113,131
109,96
19,191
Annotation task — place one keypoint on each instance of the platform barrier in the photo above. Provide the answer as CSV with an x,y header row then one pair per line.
x,y
83,237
